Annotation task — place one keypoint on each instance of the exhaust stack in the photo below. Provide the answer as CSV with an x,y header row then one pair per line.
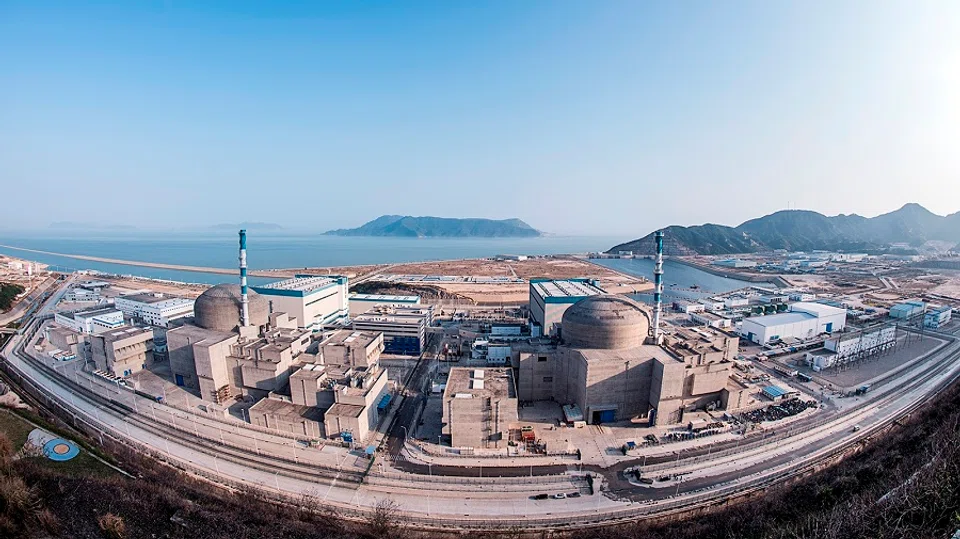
x,y
244,309
658,287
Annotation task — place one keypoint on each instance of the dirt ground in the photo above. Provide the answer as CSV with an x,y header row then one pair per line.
x,y
951,288
515,293
126,286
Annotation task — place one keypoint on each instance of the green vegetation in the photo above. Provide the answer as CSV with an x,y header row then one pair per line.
x,y
9,291
798,230
16,429
419,227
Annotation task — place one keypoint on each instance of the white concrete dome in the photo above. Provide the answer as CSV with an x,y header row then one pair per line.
x,y
609,322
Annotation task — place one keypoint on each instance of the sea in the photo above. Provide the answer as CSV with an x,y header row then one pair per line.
x,y
274,251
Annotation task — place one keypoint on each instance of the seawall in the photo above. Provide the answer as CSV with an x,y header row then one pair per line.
x,y
773,279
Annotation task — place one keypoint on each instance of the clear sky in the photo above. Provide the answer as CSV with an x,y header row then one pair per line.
x,y
579,117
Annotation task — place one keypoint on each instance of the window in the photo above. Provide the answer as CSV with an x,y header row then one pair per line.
x,y
541,358
547,379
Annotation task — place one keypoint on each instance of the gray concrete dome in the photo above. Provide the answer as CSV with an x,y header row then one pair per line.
x,y
605,322
218,308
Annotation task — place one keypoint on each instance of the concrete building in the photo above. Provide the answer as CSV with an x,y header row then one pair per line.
x,y
608,368
735,263
848,346
803,321
907,310
220,359
549,299
81,295
688,307
314,300
154,309
404,328
343,395
937,317
92,321
361,303
65,339
123,351
479,405
712,320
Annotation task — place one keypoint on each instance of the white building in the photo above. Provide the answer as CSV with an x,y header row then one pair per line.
x,y
710,319
936,317
361,303
849,345
712,304
314,300
735,263
95,321
804,321
404,328
80,295
154,309
549,299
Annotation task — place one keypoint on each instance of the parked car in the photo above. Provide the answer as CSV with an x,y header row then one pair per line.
x,y
560,496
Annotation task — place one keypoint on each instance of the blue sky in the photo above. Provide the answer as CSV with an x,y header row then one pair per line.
x,y
578,117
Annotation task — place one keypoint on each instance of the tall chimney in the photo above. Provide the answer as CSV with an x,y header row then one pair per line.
x,y
658,287
244,309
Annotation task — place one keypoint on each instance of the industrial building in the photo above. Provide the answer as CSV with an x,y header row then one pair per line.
x,y
404,328
65,339
361,303
92,321
907,310
847,347
549,299
735,263
81,295
313,300
936,317
712,320
154,309
479,405
803,321
610,365
123,351
233,346
343,394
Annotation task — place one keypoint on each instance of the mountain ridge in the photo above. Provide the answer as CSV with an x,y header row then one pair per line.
x,y
444,227
804,230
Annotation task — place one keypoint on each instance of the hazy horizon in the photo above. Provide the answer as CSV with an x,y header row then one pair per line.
x,y
596,119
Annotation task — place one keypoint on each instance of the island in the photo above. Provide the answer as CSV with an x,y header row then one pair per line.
x,y
440,227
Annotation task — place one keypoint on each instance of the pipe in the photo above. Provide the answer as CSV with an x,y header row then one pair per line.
x,y
244,308
658,287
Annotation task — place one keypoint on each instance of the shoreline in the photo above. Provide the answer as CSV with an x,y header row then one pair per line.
x,y
773,279
156,265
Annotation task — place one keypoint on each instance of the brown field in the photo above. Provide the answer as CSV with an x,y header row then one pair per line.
x,y
516,293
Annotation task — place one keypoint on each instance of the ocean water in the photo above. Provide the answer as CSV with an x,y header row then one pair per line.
x,y
678,279
274,251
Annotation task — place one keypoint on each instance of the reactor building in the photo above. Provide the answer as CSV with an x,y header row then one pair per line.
x,y
236,346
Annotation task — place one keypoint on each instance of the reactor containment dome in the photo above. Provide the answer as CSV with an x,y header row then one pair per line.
x,y
218,308
606,322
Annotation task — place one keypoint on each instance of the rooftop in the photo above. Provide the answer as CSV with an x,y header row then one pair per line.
x,y
346,337
345,410
287,410
300,285
779,319
567,288
124,332
475,383
385,298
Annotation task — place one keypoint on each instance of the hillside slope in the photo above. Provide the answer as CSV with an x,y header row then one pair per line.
x,y
802,230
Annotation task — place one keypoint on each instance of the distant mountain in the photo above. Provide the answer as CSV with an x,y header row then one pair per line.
x,y
801,230
247,226
419,227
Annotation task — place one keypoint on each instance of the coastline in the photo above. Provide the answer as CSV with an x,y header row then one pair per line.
x,y
157,265
772,279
